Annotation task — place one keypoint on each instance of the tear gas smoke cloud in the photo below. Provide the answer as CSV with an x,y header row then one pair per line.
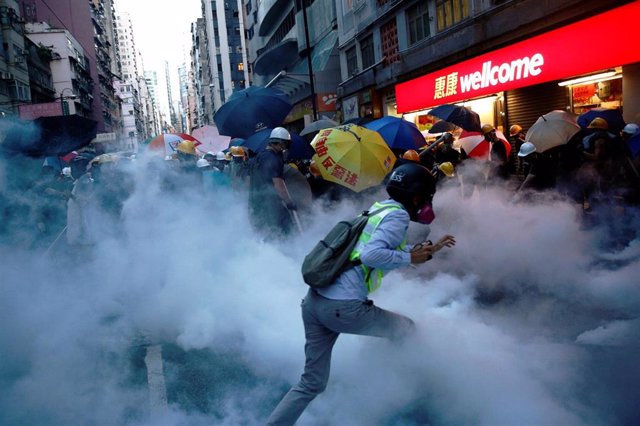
x,y
526,321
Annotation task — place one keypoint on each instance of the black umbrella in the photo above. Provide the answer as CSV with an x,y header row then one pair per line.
x,y
48,136
252,109
458,115
441,127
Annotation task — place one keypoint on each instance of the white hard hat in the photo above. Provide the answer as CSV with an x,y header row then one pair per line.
x,y
631,129
220,156
202,163
526,149
66,171
280,133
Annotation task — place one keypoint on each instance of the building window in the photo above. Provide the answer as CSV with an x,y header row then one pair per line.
x,y
366,51
352,60
389,36
240,66
450,12
418,22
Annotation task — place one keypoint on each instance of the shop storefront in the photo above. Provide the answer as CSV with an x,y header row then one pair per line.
x,y
366,104
576,67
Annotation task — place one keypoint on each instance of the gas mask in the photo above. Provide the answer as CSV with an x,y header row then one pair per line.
x,y
426,215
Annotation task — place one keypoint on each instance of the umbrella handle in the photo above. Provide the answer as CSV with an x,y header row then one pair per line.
x,y
56,240
296,219
294,213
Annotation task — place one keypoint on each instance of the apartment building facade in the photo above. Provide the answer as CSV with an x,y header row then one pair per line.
x,y
281,57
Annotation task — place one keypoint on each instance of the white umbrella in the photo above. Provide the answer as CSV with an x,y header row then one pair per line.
x,y
552,129
210,139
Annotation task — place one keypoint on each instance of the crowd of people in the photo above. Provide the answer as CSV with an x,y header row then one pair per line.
x,y
595,169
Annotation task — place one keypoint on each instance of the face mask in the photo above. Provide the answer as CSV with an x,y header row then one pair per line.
x,y
426,214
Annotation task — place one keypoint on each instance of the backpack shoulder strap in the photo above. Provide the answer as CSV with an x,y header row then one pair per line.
x,y
375,212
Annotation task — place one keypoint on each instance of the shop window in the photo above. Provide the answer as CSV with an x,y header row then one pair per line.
x,y
366,52
450,12
352,61
418,22
389,36
603,94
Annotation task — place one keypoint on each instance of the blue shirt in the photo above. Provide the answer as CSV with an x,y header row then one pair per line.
x,y
380,252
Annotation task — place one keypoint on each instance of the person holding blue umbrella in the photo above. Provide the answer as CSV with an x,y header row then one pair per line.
x,y
269,201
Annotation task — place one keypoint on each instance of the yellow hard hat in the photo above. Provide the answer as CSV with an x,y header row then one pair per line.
x,y
598,123
447,168
486,128
412,155
186,147
515,129
237,151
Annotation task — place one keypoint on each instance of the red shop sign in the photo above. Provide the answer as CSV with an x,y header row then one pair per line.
x,y
603,41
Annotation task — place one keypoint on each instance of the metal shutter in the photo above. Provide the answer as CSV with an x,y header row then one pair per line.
x,y
524,106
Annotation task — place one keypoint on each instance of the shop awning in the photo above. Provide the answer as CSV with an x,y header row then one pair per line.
x,y
296,79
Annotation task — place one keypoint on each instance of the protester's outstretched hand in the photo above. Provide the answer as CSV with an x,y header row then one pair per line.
x,y
422,252
446,241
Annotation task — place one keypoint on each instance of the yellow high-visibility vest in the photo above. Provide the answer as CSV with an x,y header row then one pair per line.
x,y
373,277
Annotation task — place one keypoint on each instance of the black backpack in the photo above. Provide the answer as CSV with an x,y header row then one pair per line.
x,y
330,257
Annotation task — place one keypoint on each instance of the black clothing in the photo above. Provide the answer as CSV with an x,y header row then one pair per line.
x,y
499,164
266,209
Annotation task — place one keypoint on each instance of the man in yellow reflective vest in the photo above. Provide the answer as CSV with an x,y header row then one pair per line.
x,y
344,306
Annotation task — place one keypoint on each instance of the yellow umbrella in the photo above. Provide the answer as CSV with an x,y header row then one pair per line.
x,y
352,156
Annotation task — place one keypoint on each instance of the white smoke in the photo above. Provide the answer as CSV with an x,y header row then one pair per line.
x,y
516,324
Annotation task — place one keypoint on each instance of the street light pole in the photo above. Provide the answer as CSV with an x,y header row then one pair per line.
x,y
310,66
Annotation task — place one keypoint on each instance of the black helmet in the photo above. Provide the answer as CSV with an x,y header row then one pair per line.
x,y
410,180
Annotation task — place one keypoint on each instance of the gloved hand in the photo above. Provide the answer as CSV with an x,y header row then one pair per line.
x,y
291,206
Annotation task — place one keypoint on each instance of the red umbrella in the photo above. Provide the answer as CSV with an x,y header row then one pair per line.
x,y
476,146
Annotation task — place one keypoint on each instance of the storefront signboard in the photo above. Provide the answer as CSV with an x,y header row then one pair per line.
x,y
326,102
33,111
601,42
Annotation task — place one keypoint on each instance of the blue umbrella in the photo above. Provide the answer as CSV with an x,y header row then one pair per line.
x,y
252,109
613,117
458,115
299,150
398,133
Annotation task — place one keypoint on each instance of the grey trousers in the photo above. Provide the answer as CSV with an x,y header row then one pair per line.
x,y
324,319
